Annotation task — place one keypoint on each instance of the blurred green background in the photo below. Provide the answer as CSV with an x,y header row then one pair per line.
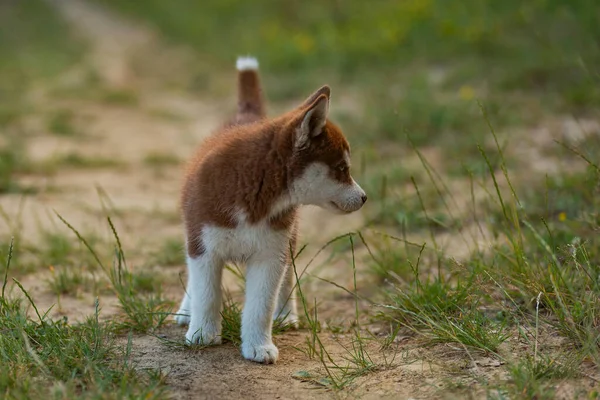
x,y
536,39
402,55
409,73
547,46
419,66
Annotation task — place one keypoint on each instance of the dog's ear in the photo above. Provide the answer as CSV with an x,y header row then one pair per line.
x,y
312,121
323,90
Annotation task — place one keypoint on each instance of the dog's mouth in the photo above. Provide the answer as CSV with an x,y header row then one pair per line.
x,y
340,209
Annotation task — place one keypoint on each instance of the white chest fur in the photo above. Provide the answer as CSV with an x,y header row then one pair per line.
x,y
244,241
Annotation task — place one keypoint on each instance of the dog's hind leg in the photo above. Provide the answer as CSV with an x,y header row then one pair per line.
x,y
263,279
183,315
286,301
204,289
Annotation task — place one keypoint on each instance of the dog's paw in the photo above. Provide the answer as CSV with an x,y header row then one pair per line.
x,y
203,335
261,353
183,317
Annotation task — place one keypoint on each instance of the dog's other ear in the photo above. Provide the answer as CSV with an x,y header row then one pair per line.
x,y
312,121
323,90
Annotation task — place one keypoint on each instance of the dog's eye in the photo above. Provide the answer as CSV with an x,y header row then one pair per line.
x,y
342,167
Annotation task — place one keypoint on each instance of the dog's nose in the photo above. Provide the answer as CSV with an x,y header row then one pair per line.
x,y
364,198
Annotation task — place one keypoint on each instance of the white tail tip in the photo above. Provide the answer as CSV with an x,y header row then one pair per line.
x,y
246,63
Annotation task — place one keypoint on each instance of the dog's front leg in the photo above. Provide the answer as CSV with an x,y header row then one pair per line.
x,y
263,279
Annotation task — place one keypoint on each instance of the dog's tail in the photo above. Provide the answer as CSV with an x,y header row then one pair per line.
x,y
250,98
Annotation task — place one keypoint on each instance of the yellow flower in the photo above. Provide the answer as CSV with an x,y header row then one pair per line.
x,y
51,268
466,92
562,217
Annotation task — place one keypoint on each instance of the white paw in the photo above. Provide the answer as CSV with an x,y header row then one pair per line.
x,y
263,353
203,335
183,317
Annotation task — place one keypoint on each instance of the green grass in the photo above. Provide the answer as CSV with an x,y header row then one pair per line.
x,y
35,47
442,309
339,372
145,281
141,312
123,98
541,274
75,160
12,162
169,252
232,322
69,281
58,249
15,163
55,249
158,160
35,44
534,378
52,250
40,356
61,123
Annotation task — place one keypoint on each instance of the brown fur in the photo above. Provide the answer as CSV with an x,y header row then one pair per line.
x,y
250,163
251,104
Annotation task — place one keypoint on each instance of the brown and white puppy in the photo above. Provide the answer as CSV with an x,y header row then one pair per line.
x,y
240,202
